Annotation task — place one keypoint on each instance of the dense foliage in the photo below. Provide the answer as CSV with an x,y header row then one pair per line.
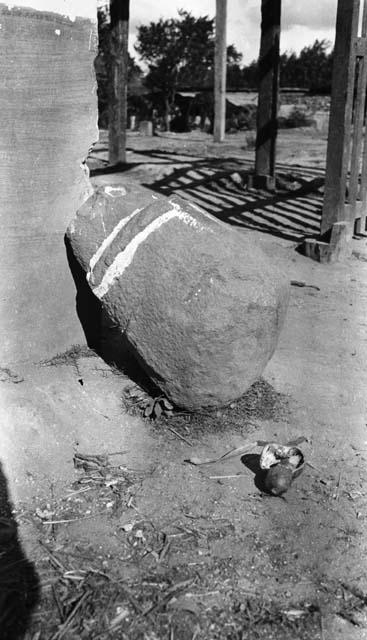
x,y
179,52
178,55
310,69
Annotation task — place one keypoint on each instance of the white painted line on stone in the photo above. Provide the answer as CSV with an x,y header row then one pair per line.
x,y
115,192
125,257
187,218
107,241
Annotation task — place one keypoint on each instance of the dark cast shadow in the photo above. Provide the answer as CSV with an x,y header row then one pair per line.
x,y
101,334
19,582
252,462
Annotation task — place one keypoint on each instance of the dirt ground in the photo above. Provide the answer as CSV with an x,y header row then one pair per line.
x,y
137,543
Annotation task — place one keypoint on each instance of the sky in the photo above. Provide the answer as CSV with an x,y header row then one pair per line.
x,y
302,22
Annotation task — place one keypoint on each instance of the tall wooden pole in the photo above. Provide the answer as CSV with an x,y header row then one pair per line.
x,y
341,108
267,111
220,70
119,32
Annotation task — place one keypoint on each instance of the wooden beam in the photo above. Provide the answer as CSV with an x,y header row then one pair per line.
x,y
220,70
267,111
340,123
119,32
337,250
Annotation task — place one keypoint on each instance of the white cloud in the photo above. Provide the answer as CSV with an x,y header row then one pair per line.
x,y
313,14
302,22
297,37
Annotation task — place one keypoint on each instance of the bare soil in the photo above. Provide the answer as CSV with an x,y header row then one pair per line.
x,y
134,542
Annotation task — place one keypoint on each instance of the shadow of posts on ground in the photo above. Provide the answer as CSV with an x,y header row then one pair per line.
x,y
292,212
19,583
221,187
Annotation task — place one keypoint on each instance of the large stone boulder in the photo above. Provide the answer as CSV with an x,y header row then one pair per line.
x,y
199,304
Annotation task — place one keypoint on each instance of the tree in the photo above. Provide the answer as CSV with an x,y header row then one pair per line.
x,y
179,53
250,75
310,69
317,65
234,72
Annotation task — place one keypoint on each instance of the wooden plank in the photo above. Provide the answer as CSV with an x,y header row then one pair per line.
x,y
357,135
363,189
358,212
337,250
360,46
267,112
220,70
339,139
340,246
316,250
364,19
360,225
119,32
359,112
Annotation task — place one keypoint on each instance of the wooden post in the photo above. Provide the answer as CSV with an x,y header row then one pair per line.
x,y
360,223
220,70
119,31
340,124
267,111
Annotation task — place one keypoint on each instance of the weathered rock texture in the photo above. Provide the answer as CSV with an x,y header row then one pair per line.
x,y
198,302
49,121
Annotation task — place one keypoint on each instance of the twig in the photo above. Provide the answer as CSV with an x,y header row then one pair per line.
x,y
322,627
61,632
118,453
58,604
235,475
190,531
89,399
72,519
74,493
180,436
355,591
229,454
163,552
132,599
309,464
300,283
204,594
167,594
116,622
52,557
337,489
